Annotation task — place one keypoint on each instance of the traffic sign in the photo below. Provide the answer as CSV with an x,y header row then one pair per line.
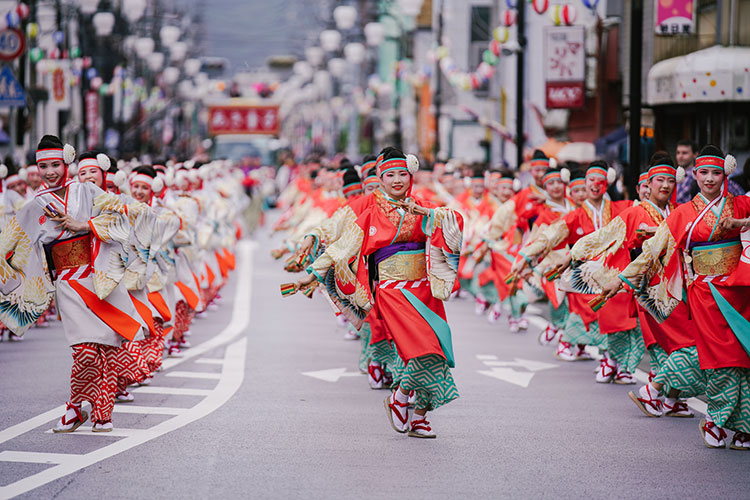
x,y
12,44
11,92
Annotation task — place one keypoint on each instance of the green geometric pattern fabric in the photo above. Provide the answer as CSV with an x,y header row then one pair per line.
x,y
576,333
728,392
682,371
627,348
559,316
383,353
657,357
518,303
431,378
365,350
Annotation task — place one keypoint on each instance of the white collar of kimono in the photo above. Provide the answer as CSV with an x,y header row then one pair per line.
x,y
598,214
664,213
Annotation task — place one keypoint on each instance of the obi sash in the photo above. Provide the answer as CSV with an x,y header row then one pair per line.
x,y
71,253
716,258
401,262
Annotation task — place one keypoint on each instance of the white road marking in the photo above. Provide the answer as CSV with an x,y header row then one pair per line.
x,y
173,391
225,389
149,410
530,365
35,457
85,430
233,374
486,356
201,375
210,361
521,379
332,375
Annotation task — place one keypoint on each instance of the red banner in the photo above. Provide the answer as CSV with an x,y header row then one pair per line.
x,y
564,95
243,120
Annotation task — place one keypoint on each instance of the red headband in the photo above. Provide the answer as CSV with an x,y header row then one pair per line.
x,y
709,161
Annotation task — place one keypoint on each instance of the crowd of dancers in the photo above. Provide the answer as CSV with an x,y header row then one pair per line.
x,y
669,273
124,254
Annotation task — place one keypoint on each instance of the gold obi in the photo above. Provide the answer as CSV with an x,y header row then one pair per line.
x,y
717,259
403,266
72,253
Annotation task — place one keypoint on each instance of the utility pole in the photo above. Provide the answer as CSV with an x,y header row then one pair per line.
x,y
520,68
636,48
438,85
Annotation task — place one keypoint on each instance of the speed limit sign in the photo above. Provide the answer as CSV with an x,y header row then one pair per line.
x,y
12,44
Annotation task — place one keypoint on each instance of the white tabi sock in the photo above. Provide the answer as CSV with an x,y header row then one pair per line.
x,y
401,397
654,390
670,401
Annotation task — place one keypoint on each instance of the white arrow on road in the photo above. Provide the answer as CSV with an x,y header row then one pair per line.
x,y
509,375
332,375
530,365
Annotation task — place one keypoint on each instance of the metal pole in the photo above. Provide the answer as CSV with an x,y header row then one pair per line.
x,y
636,47
438,86
520,68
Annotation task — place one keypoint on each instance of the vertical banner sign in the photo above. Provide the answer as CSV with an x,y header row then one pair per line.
x,y
58,78
564,66
92,118
674,17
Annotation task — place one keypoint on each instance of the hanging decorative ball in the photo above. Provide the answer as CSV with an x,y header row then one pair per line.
x,y
36,54
32,30
12,19
55,53
495,47
96,82
540,6
476,82
87,62
22,10
590,4
75,52
511,3
509,18
485,70
489,57
501,34
103,88
91,73
58,37
562,14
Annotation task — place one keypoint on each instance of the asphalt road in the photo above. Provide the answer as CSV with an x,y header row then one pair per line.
x,y
239,418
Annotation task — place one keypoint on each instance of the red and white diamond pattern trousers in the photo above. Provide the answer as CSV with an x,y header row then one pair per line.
x,y
153,346
130,364
183,318
93,378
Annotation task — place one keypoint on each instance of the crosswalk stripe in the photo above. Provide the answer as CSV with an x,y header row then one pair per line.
x,y
149,410
207,376
175,391
35,457
210,361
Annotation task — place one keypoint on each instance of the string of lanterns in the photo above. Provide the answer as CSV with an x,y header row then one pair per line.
x,y
559,14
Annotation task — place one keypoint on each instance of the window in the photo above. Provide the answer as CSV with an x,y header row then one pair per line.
x,y
481,34
706,12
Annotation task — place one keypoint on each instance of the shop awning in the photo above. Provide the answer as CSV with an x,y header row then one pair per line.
x,y
714,74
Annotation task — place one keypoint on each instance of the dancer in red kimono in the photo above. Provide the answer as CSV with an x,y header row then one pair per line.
x,y
412,251
703,246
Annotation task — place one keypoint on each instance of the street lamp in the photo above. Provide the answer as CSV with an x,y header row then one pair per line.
x,y
303,69
354,52
337,67
88,6
155,61
410,8
170,75
374,34
169,35
144,47
178,51
314,56
133,10
330,40
192,67
345,16
103,23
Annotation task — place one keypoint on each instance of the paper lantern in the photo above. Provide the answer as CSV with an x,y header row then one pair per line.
x,y
562,14
22,10
590,4
489,57
540,6
495,47
96,83
32,30
501,34
511,3
509,18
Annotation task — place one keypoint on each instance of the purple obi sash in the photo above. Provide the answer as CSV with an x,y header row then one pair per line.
x,y
383,253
